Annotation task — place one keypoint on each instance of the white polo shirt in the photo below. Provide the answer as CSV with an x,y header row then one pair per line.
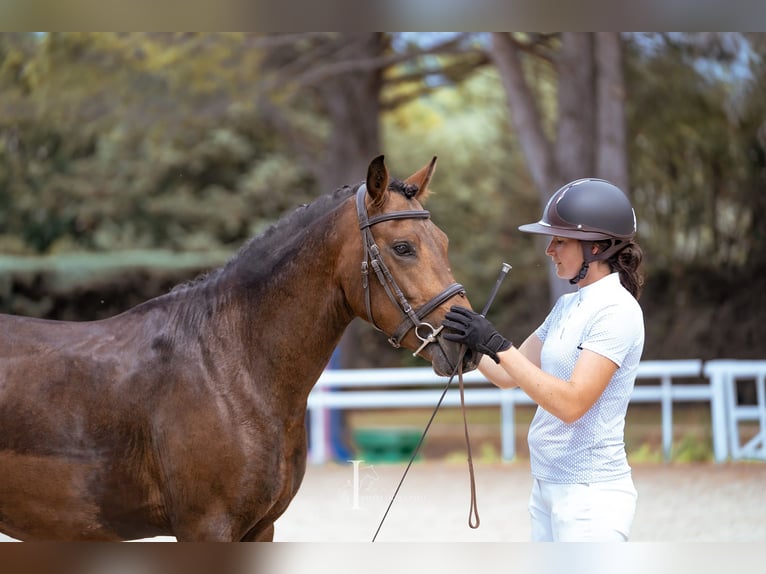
x,y
606,319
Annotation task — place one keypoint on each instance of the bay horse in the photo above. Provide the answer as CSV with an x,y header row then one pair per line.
x,y
185,415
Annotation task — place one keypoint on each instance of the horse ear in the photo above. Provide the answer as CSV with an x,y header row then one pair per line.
x,y
377,181
422,178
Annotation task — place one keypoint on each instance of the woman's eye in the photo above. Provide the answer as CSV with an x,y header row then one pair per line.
x,y
404,249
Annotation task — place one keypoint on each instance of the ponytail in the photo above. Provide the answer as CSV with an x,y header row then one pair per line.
x,y
627,262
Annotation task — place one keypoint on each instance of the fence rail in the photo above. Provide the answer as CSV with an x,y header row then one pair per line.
x,y
421,388
725,375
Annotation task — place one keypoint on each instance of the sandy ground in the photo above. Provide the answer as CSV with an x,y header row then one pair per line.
x,y
677,503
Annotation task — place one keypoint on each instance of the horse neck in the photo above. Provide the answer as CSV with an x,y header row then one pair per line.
x,y
290,319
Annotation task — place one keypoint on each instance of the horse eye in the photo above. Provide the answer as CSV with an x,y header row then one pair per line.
x,y
404,249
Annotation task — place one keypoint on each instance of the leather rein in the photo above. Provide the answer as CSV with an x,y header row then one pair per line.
x,y
412,319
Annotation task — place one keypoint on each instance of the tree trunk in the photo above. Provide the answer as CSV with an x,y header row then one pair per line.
x,y
338,77
576,129
611,157
590,123
525,114
351,101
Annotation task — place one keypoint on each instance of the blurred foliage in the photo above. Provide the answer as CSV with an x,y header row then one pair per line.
x,y
698,148
481,192
118,141
114,141
122,141
76,286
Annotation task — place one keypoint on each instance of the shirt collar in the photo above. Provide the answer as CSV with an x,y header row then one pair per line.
x,y
601,286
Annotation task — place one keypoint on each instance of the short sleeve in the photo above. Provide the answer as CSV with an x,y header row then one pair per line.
x,y
613,332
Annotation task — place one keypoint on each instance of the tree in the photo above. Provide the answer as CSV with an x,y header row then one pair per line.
x,y
342,83
697,147
587,135
199,141
115,141
326,94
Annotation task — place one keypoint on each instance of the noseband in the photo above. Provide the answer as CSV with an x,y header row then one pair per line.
x,y
425,332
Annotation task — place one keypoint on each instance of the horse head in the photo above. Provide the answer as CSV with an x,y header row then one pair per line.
x,y
407,283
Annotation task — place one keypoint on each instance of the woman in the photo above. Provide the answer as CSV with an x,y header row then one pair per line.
x,y
579,366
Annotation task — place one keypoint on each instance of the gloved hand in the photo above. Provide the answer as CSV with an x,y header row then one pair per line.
x,y
475,332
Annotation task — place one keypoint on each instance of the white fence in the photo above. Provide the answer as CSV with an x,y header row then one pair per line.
x,y
421,388
724,376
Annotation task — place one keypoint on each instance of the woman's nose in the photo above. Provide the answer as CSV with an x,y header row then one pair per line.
x,y
549,249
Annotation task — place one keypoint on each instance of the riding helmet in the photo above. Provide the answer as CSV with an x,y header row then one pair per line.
x,y
588,209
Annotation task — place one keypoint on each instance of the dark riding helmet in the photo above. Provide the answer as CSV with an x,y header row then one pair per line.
x,y
590,210
587,209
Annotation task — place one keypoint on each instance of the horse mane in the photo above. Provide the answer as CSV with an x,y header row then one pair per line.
x,y
260,257
269,247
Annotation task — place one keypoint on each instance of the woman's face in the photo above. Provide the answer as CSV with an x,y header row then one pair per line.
x,y
566,255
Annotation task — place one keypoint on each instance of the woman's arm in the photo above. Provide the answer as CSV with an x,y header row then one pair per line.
x,y
567,400
498,376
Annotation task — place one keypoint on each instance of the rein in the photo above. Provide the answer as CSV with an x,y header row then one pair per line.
x,y
473,513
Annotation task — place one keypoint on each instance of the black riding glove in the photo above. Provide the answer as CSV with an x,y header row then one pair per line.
x,y
475,332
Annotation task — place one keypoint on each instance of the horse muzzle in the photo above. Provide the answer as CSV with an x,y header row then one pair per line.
x,y
445,356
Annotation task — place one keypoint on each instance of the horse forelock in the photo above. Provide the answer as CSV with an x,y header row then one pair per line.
x,y
408,190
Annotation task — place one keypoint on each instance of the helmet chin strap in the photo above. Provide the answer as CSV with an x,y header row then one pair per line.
x,y
581,275
588,258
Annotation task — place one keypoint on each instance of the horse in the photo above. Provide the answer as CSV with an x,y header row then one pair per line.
x,y
185,415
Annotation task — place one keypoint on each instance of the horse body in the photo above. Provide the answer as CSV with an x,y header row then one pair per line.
x,y
185,416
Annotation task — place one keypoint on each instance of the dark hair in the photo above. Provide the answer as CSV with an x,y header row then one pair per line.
x,y
627,262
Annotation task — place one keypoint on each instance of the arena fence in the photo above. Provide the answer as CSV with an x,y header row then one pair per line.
x,y
727,376
664,382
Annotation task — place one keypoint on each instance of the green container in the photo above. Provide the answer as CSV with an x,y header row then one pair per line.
x,y
387,444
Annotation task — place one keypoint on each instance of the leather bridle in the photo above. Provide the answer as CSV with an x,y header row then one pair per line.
x,y
413,319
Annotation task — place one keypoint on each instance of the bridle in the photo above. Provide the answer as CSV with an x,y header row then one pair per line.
x,y
412,319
